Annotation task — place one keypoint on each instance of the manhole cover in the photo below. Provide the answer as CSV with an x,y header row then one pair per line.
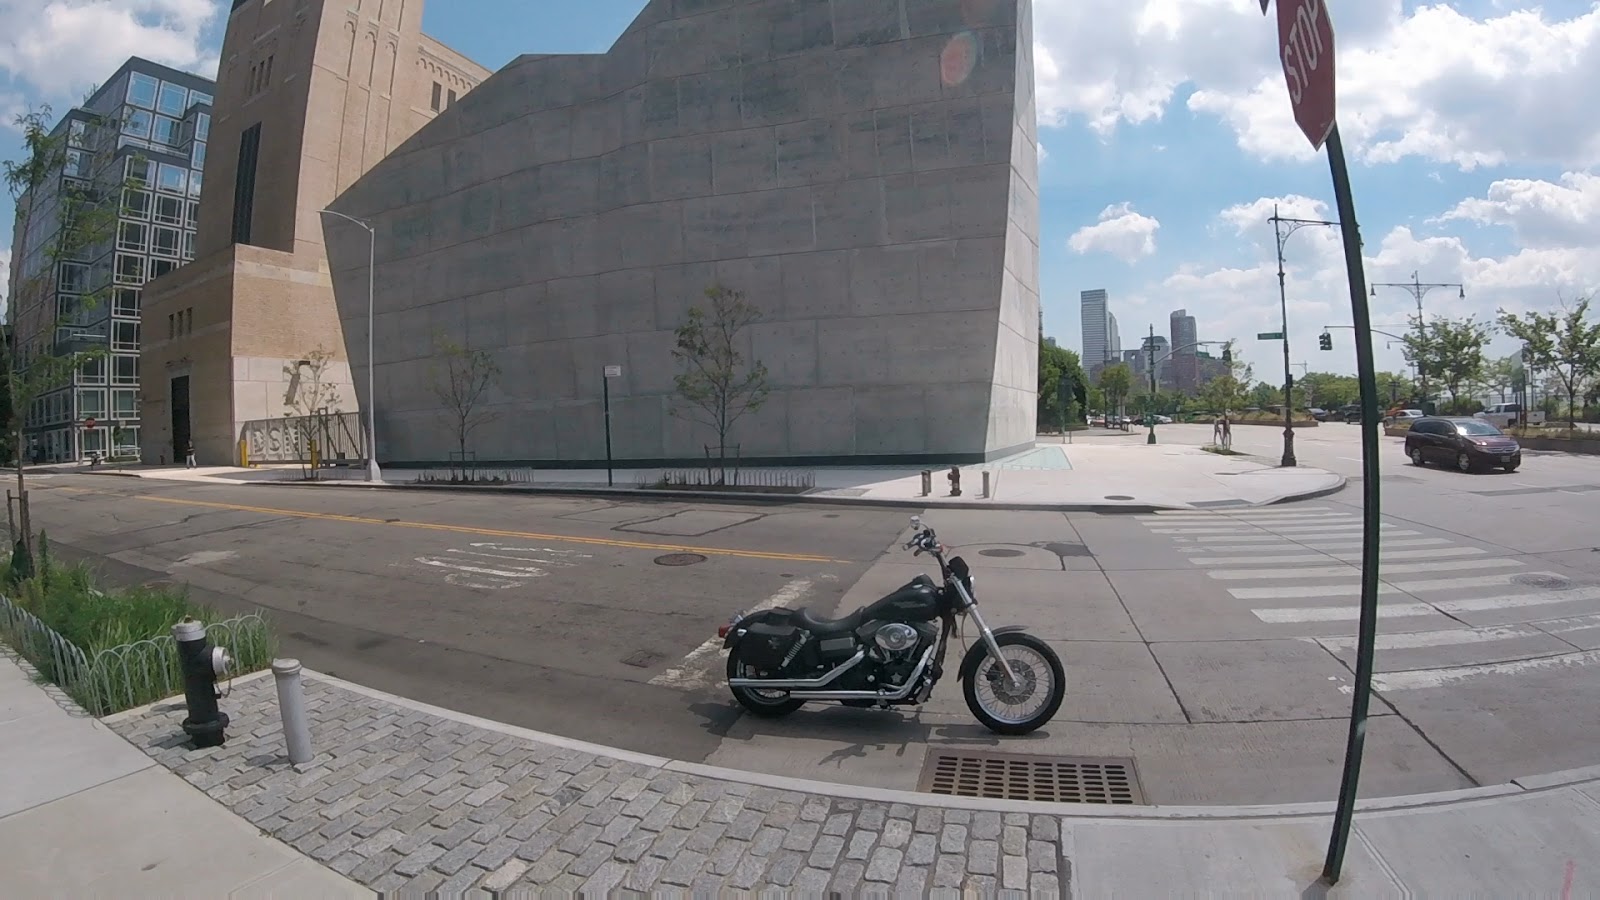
x,y
1016,776
1000,553
679,559
1118,497
1544,581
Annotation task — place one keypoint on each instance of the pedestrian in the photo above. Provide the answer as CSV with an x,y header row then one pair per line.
x,y
189,462
1227,432
1216,432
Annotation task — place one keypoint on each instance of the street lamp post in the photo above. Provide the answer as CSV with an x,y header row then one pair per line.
x,y
1278,223
1150,402
373,474
1416,289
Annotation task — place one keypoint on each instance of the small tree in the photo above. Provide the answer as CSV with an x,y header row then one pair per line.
x,y
310,396
460,379
1500,376
1448,351
53,190
717,385
1116,381
1566,345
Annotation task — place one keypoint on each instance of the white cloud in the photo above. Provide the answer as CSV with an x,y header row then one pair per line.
x,y
1120,231
1539,213
1436,84
1240,301
59,49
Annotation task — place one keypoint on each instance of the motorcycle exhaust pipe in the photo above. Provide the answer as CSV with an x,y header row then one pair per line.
x,y
899,693
778,684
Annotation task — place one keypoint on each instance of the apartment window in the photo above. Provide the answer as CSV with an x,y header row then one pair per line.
x,y
174,99
188,245
137,168
167,131
197,158
130,269
202,127
125,302
124,404
93,371
172,326
130,437
171,178
191,214
160,267
135,204
169,211
133,236
164,241
189,326
92,404
197,98
124,370
74,277
136,123
268,77
76,165
142,90
124,335
244,186
194,183
78,133
451,101
438,94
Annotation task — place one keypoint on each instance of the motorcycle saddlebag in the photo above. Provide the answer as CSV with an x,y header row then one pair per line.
x,y
765,644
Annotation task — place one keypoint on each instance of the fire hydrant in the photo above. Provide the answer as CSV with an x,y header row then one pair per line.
x,y
955,481
202,665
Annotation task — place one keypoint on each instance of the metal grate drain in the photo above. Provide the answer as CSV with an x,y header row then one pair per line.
x,y
1016,776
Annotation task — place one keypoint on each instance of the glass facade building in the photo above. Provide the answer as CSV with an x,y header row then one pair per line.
x,y
139,142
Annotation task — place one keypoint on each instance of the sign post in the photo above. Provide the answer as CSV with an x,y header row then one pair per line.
x,y
1306,49
605,392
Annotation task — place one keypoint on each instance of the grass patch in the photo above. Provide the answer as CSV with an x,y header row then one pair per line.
x,y
112,650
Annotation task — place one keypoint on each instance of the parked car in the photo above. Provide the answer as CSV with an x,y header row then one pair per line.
x,y
1409,416
1467,444
1350,413
1318,413
1504,415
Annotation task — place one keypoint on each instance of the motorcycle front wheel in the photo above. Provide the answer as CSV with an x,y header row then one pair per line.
x,y
767,704
1014,709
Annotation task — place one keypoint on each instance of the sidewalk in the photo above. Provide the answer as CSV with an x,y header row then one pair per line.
x,y
85,814
403,796
1099,472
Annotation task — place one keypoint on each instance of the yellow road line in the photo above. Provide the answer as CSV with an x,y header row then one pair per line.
x,y
467,529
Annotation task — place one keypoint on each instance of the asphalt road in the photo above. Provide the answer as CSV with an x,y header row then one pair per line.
x,y
1214,649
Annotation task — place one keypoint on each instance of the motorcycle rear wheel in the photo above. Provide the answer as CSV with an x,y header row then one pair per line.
x,y
766,704
1036,666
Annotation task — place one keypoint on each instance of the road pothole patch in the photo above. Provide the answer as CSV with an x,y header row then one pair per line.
x,y
1544,581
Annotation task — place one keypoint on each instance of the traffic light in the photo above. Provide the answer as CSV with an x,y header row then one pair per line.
x,y
1325,340
1227,354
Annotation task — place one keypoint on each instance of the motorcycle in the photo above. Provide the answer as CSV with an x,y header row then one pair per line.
x,y
891,653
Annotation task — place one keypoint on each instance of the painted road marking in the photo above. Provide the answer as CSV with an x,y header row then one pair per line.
x,y
1564,626
1201,513
1303,614
1224,517
1285,615
1252,529
1261,538
1266,558
698,668
1353,589
1422,679
1355,571
1293,546
467,529
486,566
1518,601
1449,637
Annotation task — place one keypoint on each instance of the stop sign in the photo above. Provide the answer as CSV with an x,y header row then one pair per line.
x,y
1305,44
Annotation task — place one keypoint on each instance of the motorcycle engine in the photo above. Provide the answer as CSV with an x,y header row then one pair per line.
x,y
896,640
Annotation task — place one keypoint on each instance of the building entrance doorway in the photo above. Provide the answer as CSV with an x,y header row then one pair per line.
x,y
181,434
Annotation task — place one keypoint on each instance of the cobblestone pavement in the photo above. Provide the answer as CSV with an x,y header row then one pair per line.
x,y
408,802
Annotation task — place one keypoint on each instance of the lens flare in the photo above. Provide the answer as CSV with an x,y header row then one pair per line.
x,y
958,59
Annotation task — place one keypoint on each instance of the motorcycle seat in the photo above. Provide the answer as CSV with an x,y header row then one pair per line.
x,y
818,625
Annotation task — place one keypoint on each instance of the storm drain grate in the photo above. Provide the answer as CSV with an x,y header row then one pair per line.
x,y
1015,776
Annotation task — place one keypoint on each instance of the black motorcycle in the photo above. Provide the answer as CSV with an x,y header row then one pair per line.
x,y
891,653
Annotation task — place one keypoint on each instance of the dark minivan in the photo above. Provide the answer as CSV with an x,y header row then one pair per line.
x,y
1467,444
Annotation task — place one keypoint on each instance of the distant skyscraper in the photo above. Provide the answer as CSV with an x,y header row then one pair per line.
x,y
1101,343
1185,368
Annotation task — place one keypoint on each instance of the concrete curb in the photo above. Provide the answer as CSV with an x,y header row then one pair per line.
x,y
754,498
1145,814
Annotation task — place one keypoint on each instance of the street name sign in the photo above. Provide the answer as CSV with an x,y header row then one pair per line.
x,y
1270,336
613,371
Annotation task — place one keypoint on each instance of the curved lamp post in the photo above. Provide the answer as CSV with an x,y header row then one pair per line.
x,y
373,473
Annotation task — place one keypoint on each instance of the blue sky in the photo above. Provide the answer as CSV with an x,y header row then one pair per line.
x,y
1172,112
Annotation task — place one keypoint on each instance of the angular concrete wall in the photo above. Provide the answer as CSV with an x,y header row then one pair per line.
x,y
864,170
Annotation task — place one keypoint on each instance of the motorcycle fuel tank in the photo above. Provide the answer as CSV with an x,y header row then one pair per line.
x,y
916,601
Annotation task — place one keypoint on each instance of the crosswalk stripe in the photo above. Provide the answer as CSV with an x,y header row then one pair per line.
x,y
1260,538
696,668
1517,601
1421,679
1448,637
1564,626
1250,529
1284,546
1352,612
1353,588
1203,513
1292,615
1352,571
1308,517
1267,559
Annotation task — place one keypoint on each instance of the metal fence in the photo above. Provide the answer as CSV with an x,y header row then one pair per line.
x,y
129,675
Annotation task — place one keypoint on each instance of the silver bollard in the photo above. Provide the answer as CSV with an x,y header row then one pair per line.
x,y
292,705
986,484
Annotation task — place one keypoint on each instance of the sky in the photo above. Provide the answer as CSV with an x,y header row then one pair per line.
x,y
1166,141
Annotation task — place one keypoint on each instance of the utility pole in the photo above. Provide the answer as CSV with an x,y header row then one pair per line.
x,y
1416,288
1282,234
1150,404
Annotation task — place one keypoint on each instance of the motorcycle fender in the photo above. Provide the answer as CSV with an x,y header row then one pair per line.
x,y
737,631
969,663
